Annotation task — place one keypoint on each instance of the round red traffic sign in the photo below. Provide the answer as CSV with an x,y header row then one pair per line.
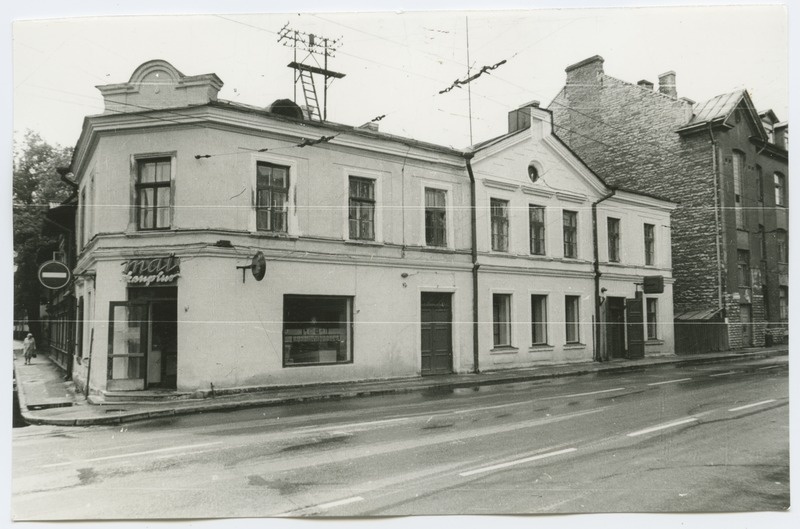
x,y
54,275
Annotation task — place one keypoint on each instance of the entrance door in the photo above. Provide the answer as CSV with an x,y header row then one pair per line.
x,y
747,327
127,345
615,327
635,326
437,331
162,354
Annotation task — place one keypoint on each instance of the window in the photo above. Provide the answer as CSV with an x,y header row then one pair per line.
x,y
738,174
501,318
783,303
272,197
780,190
762,238
538,320
783,248
743,262
362,208
317,330
435,217
571,318
613,240
652,319
570,234
649,244
499,214
153,193
760,183
533,172
536,220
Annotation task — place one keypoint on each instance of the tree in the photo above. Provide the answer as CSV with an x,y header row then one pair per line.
x,y
36,184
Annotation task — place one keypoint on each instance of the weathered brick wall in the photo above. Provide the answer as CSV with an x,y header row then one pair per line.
x,y
732,311
626,133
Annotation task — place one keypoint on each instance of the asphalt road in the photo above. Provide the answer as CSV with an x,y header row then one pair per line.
x,y
686,439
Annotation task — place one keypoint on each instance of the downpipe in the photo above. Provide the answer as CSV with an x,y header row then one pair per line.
x,y
475,265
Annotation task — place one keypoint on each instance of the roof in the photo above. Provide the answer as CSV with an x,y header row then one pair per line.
x,y
698,315
718,107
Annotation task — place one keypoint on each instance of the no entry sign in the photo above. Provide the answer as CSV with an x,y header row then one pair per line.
x,y
54,275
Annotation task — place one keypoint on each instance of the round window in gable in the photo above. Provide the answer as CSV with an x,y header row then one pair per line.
x,y
533,172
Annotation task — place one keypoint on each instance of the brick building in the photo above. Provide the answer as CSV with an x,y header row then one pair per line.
x,y
726,165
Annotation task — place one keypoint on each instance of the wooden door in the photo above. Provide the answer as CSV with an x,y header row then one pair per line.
x,y
437,331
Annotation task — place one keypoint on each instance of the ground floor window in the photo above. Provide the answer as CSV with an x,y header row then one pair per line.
x,y
783,302
317,330
538,319
501,318
571,312
652,319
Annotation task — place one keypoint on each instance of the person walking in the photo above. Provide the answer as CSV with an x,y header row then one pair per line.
x,y
29,348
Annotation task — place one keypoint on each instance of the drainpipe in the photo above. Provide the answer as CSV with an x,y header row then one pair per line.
x,y
717,226
475,266
597,275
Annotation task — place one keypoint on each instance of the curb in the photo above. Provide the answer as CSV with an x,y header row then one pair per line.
x,y
206,407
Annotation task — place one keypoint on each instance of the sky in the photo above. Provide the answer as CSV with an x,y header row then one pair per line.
x,y
396,63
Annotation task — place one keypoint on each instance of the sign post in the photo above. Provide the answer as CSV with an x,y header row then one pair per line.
x,y
54,275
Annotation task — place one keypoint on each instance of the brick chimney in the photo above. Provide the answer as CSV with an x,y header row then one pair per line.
x,y
644,83
585,71
666,84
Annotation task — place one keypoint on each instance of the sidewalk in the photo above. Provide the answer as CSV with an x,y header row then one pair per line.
x,y
45,398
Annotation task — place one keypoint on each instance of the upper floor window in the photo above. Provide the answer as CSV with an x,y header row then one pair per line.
x,y
435,217
649,244
570,220
362,208
760,183
613,240
743,263
272,197
738,186
533,173
154,193
783,246
762,237
499,214
780,190
536,219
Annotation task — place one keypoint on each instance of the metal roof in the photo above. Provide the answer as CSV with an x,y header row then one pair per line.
x,y
698,315
718,107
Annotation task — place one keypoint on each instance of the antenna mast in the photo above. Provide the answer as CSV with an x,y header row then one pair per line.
x,y
305,69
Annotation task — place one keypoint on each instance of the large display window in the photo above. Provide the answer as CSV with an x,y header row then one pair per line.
x,y
317,330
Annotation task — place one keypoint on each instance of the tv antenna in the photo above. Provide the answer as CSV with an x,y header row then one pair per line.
x,y
313,46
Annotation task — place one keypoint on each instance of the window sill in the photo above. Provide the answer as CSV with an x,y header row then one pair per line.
x,y
273,235
359,242
569,346
437,249
654,342
504,349
540,348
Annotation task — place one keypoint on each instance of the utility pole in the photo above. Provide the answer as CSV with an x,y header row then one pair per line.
x,y
305,69
469,89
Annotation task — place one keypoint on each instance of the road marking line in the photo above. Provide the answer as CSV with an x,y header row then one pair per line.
x,y
723,374
662,426
752,405
306,429
337,503
117,456
516,462
583,394
669,381
768,367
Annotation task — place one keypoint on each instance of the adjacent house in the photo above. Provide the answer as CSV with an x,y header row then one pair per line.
x,y
725,164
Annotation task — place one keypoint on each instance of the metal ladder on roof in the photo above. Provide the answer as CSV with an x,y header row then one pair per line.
x,y
310,94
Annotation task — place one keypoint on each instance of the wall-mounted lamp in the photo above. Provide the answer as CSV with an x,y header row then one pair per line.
x,y
602,295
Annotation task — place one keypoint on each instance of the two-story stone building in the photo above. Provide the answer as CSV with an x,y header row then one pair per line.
x,y
727,168
223,246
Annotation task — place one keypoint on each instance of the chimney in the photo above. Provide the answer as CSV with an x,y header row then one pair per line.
x,y
644,83
666,84
585,71
373,126
520,118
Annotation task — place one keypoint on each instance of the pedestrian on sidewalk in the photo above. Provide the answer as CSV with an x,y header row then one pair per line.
x,y
29,348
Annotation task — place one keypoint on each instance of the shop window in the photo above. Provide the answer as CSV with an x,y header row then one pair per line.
x,y
570,220
362,208
738,175
272,197
435,217
572,318
538,319
317,330
613,240
536,220
652,318
499,214
154,193
780,189
649,244
501,319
